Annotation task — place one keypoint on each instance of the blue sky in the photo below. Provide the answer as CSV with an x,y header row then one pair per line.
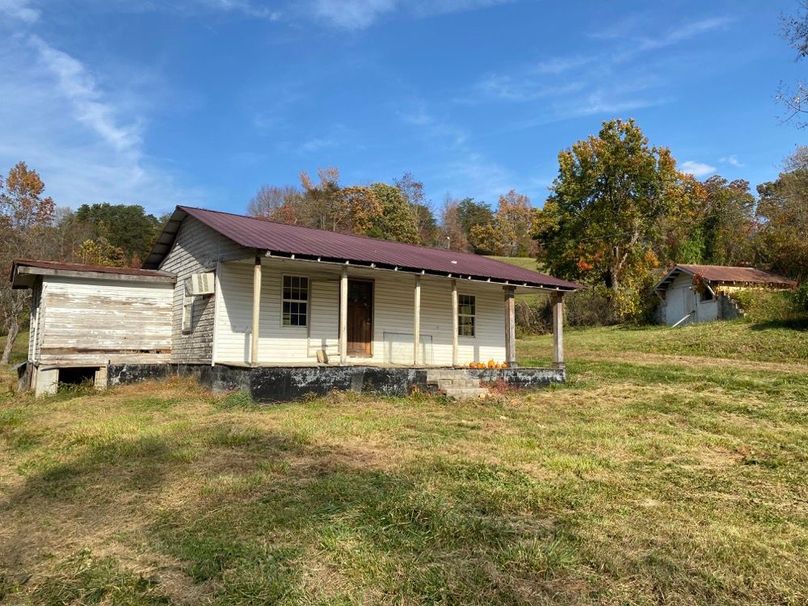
x,y
203,101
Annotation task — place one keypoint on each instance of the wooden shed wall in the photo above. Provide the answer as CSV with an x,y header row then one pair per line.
x,y
88,322
197,249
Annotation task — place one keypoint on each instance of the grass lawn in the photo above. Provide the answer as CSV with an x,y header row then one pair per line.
x,y
523,262
8,379
655,476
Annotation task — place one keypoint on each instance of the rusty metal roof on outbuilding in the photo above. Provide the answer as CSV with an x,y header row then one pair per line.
x,y
725,274
22,271
315,244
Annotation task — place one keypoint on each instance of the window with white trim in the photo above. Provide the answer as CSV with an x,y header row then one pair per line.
x,y
295,301
466,315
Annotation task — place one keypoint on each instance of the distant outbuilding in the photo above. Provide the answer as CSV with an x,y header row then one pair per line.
x,y
703,293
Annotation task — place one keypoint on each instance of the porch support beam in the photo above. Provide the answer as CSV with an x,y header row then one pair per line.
x,y
455,326
343,317
510,326
256,311
557,300
416,323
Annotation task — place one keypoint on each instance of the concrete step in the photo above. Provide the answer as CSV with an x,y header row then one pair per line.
x,y
464,393
465,382
444,374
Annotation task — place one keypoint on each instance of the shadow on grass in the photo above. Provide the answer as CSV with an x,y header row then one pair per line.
x,y
273,518
792,324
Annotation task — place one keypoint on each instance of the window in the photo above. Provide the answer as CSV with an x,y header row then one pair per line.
x,y
466,310
187,313
295,300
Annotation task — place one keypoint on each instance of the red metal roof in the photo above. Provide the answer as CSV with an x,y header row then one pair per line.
x,y
731,275
306,242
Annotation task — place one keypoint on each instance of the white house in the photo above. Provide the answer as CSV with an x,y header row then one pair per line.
x,y
221,289
702,293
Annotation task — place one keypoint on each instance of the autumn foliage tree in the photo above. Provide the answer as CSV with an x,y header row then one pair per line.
x,y
25,214
601,223
509,231
392,212
782,239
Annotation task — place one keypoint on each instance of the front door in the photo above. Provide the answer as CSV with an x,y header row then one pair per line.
x,y
360,318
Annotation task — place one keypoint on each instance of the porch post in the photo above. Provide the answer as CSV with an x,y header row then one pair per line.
x,y
510,326
343,317
455,327
416,323
256,311
557,300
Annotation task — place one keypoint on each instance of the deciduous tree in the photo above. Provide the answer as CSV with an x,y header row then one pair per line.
x,y
727,222
601,222
795,98
24,215
127,227
269,200
782,240
397,220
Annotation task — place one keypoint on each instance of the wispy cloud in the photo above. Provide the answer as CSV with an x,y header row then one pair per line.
x,y
560,65
351,14
86,140
361,14
456,164
618,78
697,169
315,144
513,88
245,7
685,32
78,87
732,160
21,10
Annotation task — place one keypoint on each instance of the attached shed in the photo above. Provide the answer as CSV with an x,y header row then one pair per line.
x,y
703,293
85,317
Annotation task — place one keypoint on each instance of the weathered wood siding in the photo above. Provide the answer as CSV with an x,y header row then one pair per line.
x,y
392,321
33,330
197,249
92,322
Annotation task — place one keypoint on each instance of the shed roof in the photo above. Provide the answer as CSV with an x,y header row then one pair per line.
x,y
307,243
23,272
725,274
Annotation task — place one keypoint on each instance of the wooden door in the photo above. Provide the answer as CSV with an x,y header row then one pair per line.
x,y
360,318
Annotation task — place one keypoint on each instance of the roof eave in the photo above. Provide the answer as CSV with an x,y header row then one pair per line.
x,y
571,287
24,276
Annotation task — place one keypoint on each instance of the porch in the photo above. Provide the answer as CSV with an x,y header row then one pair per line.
x,y
285,312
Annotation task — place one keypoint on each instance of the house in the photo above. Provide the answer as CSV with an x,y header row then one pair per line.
x,y
284,310
703,293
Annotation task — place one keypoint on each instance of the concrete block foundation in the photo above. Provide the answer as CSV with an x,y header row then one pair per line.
x,y
281,384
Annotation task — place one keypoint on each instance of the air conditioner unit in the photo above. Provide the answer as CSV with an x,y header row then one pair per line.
x,y
200,284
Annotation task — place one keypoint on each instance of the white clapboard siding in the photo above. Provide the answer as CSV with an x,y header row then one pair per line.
x,y
89,321
196,249
392,322
324,317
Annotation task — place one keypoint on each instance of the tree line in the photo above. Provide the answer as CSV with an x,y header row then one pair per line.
x,y
399,211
